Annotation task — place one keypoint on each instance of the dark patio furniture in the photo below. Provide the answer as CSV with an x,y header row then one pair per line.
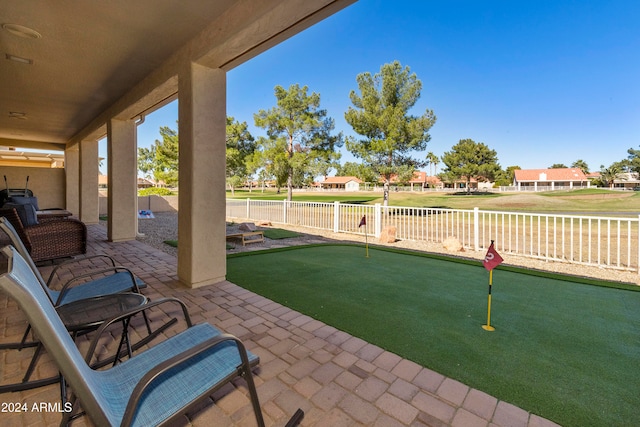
x,y
51,239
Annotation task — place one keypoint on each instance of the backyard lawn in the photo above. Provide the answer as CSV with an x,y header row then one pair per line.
x,y
563,349
583,200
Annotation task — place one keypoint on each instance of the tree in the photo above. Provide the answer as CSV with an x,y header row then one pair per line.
x,y
633,161
380,113
507,176
161,159
582,165
610,174
432,161
626,165
469,159
299,141
240,147
558,166
358,170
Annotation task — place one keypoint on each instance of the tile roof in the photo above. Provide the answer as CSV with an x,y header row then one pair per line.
x,y
340,180
563,174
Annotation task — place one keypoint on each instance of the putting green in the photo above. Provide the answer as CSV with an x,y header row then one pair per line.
x,y
561,349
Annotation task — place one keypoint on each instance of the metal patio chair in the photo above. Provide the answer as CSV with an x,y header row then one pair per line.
x,y
155,386
119,280
122,279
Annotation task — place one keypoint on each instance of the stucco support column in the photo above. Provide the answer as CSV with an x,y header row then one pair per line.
x,y
89,182
122,172
72,179
201,217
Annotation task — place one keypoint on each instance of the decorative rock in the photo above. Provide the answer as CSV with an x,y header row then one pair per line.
x,y
452,244
247,226
388,234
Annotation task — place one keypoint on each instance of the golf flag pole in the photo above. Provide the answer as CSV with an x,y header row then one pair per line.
x,y
363,221
491,260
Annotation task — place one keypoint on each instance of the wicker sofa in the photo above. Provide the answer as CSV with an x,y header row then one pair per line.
x,y
51,239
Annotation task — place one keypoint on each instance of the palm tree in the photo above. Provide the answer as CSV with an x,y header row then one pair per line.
x,y
582,165
609,175
432,161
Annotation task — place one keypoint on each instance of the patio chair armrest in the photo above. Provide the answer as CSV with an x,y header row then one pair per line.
x,y
43,230
116,269
54,272
175,361
129,313
57,239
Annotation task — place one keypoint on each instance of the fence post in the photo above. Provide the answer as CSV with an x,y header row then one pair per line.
x,y
476,229
336,217
638,248
248,208
377,212
285,204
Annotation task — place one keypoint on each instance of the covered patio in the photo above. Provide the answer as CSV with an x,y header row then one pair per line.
x,y
337,379
76,72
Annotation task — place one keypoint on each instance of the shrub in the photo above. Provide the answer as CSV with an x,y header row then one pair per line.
x,y
155,191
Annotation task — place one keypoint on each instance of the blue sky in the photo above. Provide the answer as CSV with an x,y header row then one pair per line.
x,y
540,82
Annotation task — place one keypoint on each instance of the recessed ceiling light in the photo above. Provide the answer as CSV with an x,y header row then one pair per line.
x,y
19,59
21,31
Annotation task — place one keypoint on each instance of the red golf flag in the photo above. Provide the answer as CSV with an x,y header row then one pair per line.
x,y
363,221
492,259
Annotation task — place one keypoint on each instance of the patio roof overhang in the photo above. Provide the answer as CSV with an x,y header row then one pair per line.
x,y
76,71
85,62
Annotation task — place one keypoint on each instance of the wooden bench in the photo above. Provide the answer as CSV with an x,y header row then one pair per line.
x,y
256,237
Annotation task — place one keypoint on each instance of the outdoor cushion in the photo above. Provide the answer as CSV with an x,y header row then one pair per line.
x,y
24,200
27,213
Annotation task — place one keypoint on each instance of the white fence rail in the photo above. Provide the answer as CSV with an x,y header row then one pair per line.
x,y
612,242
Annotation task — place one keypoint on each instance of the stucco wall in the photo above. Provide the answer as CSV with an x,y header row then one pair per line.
x,y
153,203
47,184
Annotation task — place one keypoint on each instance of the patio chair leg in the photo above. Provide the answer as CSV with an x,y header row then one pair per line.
x,y
71,415
32,364
146,320
253,393
295,419
20,345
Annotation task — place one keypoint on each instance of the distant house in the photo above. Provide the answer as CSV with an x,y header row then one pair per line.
x,y
346,183
145,183
461,184
433,182
550,179
421,180
627,181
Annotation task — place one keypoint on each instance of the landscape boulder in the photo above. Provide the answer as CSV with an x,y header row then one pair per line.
x,y
247,226
452,244
388,234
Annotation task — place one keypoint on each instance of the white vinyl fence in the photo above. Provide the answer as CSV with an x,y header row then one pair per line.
x,y
611,242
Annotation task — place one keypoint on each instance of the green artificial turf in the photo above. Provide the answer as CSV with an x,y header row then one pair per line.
x,y
279,233
564,350
173,243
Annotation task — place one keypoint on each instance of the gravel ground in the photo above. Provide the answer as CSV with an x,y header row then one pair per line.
x,y
165,227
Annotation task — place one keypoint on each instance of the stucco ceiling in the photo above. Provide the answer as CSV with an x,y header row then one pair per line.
x,y
93,54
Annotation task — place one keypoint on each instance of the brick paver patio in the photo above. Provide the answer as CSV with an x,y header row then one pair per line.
x,y
337,379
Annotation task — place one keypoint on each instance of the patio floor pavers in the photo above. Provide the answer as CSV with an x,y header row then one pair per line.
x,y
336,378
